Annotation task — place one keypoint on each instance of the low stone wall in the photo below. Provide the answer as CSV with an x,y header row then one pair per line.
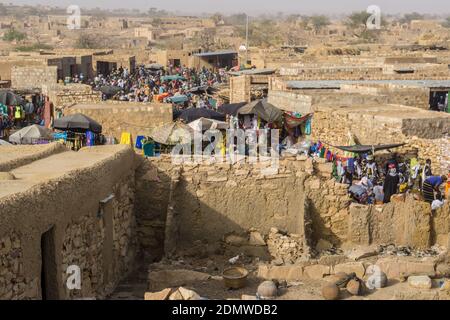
x,y
424,135
66,95
68,226
19,155
117,117
208,204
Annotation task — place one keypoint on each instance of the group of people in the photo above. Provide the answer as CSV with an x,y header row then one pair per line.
x,y
377,183
28,112
147,85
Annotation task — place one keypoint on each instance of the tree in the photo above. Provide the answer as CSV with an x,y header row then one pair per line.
x,y
319,22
86,41
408,17
205,40
13,34
236,19
217,18
446,23
357,23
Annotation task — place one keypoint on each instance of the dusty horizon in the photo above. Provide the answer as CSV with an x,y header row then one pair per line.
x,y
264,6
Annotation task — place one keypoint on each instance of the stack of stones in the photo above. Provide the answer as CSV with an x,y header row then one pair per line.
x,y
287,248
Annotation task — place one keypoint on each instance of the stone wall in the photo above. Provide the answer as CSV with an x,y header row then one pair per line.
x,y
404,95
424,135
66,95
75,228
290,101
33,77
240,89
136,118
181,207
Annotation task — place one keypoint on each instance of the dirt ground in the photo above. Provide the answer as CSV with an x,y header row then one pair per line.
x,y
135,286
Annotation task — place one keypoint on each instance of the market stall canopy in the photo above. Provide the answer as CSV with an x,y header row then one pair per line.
x,y
262,109
4,143
9,98
154,66
232,108
77,122
203,90
178,99
31,134
172,134
110,90
193,114
204,124
369,148
172,78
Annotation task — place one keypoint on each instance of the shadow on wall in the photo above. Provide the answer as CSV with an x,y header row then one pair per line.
x,y
187,209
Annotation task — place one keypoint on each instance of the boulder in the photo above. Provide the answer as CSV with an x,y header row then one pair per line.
x,y
420,282
256,239
289,273
362,252
161,295
184,294
317,271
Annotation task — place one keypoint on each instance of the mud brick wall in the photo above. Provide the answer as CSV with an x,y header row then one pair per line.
x,y
101,242
409,96
290,101
115,118
33,77
207,203
240,89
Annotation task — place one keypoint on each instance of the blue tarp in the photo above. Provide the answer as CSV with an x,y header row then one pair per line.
x,y
178,99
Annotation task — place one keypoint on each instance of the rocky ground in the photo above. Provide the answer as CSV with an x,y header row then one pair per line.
x,y
203,277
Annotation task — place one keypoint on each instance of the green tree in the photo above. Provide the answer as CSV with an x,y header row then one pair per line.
x,y
13,34
408,17
357,23
319,22
446,23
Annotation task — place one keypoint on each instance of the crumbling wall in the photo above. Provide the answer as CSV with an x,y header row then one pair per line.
x,y
66,95
212,201
218,203
406,223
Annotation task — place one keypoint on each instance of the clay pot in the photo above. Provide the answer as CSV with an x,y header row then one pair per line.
x,y
330,292
267,290
354,287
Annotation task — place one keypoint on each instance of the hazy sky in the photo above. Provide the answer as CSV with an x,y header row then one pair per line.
x,y
258,6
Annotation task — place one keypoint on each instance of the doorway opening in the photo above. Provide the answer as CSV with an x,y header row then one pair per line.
x,y
49,287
